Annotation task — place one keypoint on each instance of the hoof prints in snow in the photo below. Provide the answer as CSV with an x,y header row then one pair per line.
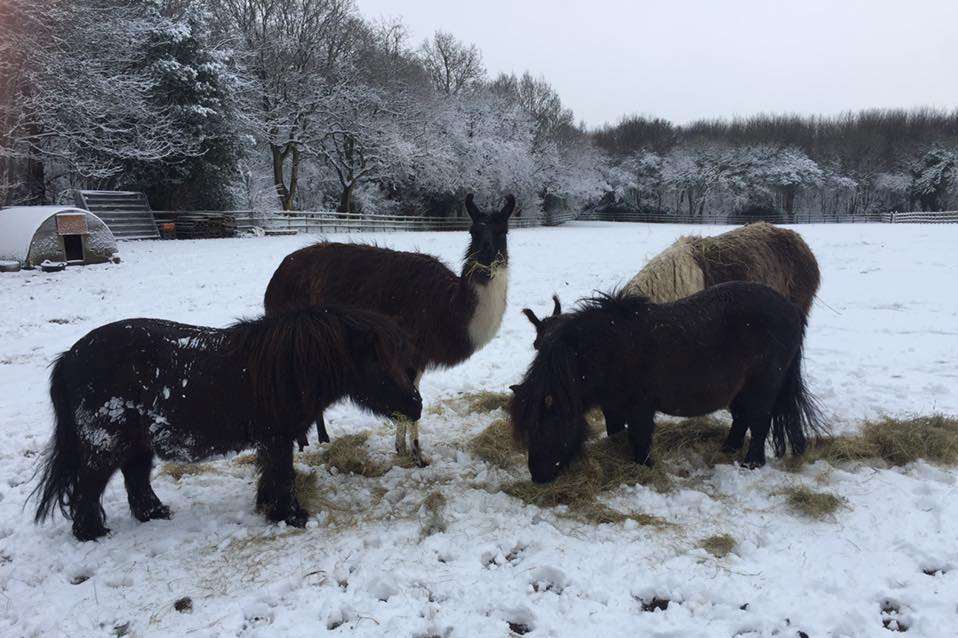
x,y
894,616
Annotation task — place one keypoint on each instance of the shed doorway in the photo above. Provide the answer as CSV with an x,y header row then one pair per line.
x,y
73,247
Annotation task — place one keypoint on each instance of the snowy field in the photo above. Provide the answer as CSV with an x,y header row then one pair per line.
x,y
883,340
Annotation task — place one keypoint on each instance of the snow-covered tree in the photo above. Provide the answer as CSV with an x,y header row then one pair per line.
x,y
453,66
77,101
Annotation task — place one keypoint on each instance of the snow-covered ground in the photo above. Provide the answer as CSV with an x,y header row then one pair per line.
x,y
883,340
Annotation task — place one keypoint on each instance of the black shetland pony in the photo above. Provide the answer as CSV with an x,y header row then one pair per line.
x,y
736,345
135,388
448,316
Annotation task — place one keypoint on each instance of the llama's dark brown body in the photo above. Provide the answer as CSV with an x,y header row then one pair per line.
x,y
430,302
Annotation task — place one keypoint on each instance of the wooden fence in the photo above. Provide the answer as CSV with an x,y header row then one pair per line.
x,y
320,222
313,222
947,217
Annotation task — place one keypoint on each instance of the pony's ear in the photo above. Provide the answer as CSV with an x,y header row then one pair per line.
x,y
515,388
510,206
533,319
557,309
472,209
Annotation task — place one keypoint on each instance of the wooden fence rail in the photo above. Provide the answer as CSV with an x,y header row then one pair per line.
x,y
313,222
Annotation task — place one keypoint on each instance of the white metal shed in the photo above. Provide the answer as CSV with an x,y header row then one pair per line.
x,y
32,234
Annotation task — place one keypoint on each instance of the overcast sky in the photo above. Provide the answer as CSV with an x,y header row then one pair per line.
x,y
689,59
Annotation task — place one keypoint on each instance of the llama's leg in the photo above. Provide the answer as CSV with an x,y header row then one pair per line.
x,y
401,437
85,509
614,420
641,428
276,493
417,456
144,503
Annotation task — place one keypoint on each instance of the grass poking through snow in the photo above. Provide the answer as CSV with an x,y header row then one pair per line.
x,y
812,504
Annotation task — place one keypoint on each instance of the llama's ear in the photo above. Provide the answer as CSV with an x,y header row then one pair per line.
x,y
506,211
533,319
557,309
471,208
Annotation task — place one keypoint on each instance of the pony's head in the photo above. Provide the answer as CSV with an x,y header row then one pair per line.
x,y
545,325
547,410
487,246
385,366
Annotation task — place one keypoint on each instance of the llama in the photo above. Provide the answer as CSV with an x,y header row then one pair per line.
x,y
449,317
142,387
736,345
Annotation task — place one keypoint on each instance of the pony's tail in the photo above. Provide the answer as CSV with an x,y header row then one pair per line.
x,y
796,415
61,465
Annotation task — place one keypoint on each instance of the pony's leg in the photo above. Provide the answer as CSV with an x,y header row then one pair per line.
x,y
614,420
736,434
759,425
144,503
276,492
321,429
85,509
641,428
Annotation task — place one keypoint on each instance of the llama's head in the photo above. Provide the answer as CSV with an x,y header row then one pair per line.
x,y
487,247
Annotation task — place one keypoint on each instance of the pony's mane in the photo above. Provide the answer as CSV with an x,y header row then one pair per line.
x,y
290,357
616,302
551,374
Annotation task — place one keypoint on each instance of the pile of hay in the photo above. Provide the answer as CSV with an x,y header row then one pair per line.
x,y
349,455
719,545
812,504
895,441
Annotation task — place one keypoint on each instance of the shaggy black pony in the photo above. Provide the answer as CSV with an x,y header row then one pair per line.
x,y
736,345
135,388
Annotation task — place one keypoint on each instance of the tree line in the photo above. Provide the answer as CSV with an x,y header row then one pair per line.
x,y
307,104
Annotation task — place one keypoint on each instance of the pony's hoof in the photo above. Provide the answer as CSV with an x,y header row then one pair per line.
x,y
753,464
297,518
323,437
154,513
84,534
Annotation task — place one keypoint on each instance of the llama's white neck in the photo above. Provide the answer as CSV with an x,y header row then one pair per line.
x,y
490,306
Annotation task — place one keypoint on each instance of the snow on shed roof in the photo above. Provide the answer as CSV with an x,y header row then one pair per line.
x,y
19,224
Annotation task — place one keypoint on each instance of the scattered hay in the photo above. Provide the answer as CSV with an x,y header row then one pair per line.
x,y
603,466
497,446
598,514
245,459
176,471
485,401
431,514
812,504
696,442
896,441
348,454
719,545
